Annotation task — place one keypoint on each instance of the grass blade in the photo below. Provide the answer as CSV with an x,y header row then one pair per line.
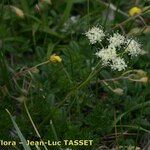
x,y
23,140
25,6
139,106
38,134
66,13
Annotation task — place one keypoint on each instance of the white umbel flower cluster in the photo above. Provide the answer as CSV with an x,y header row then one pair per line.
x,y
119,45
95,34
133,47
118,64
116,40
107,55
109,58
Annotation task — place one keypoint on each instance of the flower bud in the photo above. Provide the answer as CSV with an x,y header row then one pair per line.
x,y
35,70
144,79
18,11
21,99
55,58
118,91
134,11
141,73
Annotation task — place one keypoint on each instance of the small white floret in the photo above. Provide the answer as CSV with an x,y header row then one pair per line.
x,y
133,48
118,64
116,40
107,55
95,35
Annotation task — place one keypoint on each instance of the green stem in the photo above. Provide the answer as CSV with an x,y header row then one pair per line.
x,y
54,132
134,127
34,125
142,105
66,13
76,88
30,69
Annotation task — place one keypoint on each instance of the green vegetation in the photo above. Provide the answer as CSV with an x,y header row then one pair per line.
x,y
53,87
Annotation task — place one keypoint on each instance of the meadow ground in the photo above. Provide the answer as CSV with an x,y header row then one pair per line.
x,y
75,70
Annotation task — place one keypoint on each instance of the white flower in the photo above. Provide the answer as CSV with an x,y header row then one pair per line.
x,y
116,40
70,22
74,19
118,64
133,47
107,55
109,58
95,35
